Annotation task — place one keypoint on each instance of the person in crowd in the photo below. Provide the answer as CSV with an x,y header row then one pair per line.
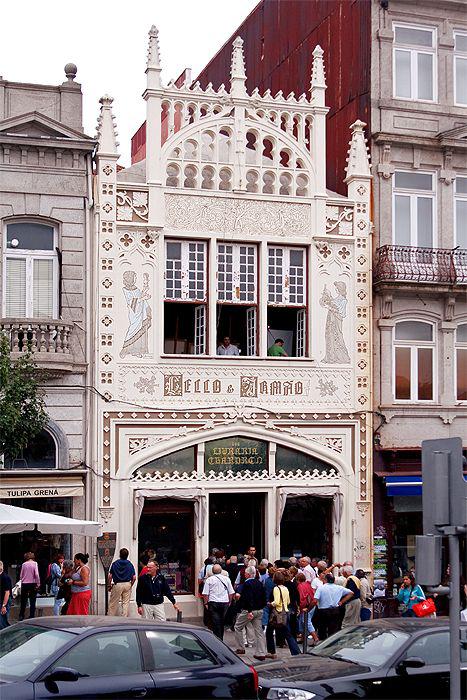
x,y
277,349
353,605
80,586
268,586
263,570
251,552
30,583
294,607
226,347
217,595
279,603
122,576
330,598
151,590
409,594
306,597
55,576
314,564
5,597
232,568
250,607
63,597
306,568
366,597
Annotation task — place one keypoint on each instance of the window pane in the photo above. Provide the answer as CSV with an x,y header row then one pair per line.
x,y
425,374
413,181
43,280
461,335
105,654
174,251
290,460
461,80
433,649
414,37
23,649
414,330
462,374
425,221
402,373
461,223
16,287
403,81
30,236
425,76
296,257
178,650
460,42
402,220
40,453
461,185
179,461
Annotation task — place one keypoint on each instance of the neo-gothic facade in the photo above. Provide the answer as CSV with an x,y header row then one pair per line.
x,y
227,230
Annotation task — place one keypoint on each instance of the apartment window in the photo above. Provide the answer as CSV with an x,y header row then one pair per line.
x,y
414,63
31,271
413,361
287,298
460,68
460,198
414,209
461,362
237,291
185,305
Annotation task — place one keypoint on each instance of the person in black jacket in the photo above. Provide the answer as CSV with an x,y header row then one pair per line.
x,y
250,606
150,592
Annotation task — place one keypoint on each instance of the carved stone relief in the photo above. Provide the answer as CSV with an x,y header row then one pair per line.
x,y
132,205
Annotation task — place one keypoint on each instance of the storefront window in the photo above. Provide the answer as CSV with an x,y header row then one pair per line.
x,y
236,454
180,461
288,460
408,524
41,453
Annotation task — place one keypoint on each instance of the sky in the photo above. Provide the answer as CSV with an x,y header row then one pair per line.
x,y
107,40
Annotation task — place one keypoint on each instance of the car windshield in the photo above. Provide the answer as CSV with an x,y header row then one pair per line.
x,y
23,649
365,645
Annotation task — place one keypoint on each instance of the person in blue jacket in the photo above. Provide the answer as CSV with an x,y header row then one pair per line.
x,y
409,594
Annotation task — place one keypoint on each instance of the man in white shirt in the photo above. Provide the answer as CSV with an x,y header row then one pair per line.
x,y
330,598
217,596
226,347
307,569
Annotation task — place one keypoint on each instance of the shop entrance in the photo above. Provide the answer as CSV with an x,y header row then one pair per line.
x,y
306,528
236,521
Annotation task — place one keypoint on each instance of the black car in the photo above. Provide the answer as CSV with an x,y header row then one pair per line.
x,y
392,658
114,657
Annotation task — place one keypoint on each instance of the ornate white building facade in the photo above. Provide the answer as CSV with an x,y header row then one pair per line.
x,y
227,229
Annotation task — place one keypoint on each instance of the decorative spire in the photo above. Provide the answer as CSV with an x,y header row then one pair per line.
x,y
153,63
106,129
318,80
358,163
237,70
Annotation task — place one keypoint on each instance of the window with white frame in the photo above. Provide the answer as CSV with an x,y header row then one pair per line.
x,y
460,200
287,291
414,65
414,200
460,68
185,306
30,271
414,347
461,362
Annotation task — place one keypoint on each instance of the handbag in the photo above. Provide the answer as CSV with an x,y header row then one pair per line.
x,y
16,590
424,608
278,619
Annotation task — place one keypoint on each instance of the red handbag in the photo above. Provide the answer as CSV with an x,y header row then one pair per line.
x,y
424,608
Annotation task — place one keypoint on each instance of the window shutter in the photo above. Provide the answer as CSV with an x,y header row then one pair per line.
x,y
43,291
16,287
200,330
251,331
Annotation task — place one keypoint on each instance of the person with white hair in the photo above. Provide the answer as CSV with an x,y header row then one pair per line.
x,y
353,605
5,597
306,568
217,595
250,606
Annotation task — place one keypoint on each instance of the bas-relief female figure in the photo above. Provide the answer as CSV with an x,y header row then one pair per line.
x,y
336,350
139,315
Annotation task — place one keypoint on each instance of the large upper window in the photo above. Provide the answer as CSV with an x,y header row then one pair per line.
x,y
414,208
414,63
460,68
461,362
40,453
460,196
287,298
413,361
31,271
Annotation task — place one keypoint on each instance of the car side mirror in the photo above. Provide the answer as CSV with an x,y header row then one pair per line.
x,y
410,662
62,673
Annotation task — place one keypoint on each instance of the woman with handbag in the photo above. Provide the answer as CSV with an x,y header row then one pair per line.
x,y
278,618
409,595
80,586
306,593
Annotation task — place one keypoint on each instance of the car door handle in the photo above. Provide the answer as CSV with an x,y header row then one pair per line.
x,y
138,692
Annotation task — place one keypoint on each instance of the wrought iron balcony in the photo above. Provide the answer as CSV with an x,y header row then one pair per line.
x,y
49,340
409,264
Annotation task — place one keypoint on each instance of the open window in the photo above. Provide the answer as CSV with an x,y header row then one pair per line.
x,y
287,293
237,275
185,305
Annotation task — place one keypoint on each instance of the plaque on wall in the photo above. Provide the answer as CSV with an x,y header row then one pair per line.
x,y
236,454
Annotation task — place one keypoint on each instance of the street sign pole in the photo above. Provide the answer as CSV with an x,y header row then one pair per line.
x,y
106,549
454,617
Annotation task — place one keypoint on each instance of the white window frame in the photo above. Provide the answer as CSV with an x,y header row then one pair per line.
x,y
414,346
413,194
251,331
185,274
286,276
414,51
458,197
200,332
462,56
30,256
458,345
237,275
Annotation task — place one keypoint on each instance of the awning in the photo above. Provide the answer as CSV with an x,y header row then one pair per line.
x,y
403,485
40,486
14,519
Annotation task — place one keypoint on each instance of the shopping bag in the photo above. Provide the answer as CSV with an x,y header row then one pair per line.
x,y
424,608
16,590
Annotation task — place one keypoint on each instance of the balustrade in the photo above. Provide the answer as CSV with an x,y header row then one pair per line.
x,y
37,335
395,263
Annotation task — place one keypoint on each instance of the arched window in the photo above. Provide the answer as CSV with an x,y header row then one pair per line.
x,y
41,453
461,362
30,271
414,361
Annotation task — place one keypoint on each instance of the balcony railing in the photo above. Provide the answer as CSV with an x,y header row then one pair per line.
x,y
397,263
48,340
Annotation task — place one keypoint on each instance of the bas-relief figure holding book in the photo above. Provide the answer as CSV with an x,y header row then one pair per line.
x,y
139,315
336,350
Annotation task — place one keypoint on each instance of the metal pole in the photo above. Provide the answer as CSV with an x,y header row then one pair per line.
x,y
106,590
305,631
454,618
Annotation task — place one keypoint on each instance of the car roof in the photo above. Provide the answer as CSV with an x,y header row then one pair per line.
x,y
410,624
83,623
